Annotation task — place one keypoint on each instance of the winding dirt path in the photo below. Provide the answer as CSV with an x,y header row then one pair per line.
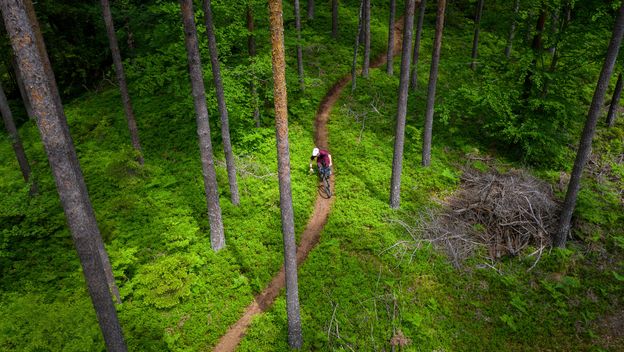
x,y
318,219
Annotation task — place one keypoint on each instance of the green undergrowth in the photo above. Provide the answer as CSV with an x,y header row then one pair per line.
x,y
368,282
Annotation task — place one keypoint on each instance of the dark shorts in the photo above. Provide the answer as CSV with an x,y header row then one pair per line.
x,y
325,171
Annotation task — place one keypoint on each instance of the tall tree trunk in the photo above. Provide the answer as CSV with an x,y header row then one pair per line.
x,y
615,102
433,78
310,9
70,184
121,79
223,112
367,38
9,123
557,32
588,132
217,238
335,19
390,53
295,339
58,105
399,137
537,51
512,31
475,40
355,48
421,19
299,51
251,48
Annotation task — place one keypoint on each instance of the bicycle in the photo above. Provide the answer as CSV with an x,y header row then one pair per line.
x,y
325,186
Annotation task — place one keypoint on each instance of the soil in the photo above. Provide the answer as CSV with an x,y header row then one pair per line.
x,y
318,219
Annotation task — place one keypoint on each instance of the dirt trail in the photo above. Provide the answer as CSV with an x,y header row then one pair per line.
x,y
318,219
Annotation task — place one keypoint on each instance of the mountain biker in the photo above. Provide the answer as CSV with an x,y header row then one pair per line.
x,y
323,161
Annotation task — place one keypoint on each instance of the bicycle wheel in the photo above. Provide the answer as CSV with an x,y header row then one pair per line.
x,y
327,185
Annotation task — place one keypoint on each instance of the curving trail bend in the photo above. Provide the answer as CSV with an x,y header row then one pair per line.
x,y
318,219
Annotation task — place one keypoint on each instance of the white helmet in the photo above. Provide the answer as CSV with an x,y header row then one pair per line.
x,y
315,152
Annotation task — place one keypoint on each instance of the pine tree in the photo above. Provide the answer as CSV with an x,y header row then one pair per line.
x,y
223,112
295,338
615,101
121,78
217,238
512,31
335,18
416,55
588,131
356,46
399,137
475,40
367,38
390,53
52,124
16,142
433,79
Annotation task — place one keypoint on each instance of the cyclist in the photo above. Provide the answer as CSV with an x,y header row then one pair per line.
x,y
323,161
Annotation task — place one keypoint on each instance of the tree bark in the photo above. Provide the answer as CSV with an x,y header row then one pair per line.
x,y
355,48
217,238
335,19
251,48
121,79
615,102
223,112
584,150
399,138
512,31
70,184
390,53
295,338
475,40
299,50
20,85
557,33
58,105
421,19
9,123
310,9
367,38
433,78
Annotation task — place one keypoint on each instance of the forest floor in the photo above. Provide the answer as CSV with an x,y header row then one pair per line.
x,y
318,218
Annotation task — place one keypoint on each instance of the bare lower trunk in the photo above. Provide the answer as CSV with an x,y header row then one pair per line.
x,y
58,105
310,9
588,132
537,52
20,85
223,112
251,48
295,338
390,53
615,102
399,137
512,31
7,117
416,55
217,238
121,79
52,125
335,19
299,50
475,40
355,48
433,78
367,38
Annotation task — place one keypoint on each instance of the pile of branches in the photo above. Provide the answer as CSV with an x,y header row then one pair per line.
x,y
505,213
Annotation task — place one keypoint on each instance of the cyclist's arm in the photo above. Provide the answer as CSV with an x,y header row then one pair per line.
x,y
311,160
330,160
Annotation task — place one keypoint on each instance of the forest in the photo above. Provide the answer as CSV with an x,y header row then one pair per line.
x,y
372,175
